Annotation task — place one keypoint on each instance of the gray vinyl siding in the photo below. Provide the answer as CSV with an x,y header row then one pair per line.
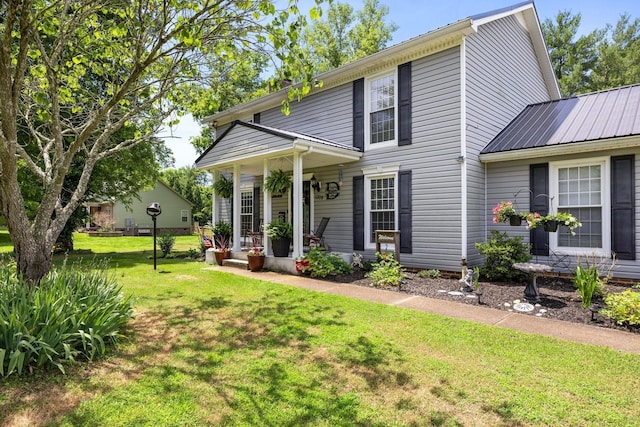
x,y
326,114
228,148
432,158
502,77
505,179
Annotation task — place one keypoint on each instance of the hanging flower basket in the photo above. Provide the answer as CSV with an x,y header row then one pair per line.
x,y
551,226
515,220
278,182
223,187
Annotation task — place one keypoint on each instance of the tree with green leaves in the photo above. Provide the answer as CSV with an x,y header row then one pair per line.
x,y
345,36
193,185
573,58
73,73
618,56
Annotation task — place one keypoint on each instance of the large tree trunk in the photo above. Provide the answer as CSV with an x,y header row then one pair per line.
x,y
33,260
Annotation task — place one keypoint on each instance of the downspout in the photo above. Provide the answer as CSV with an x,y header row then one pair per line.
x,y
464,217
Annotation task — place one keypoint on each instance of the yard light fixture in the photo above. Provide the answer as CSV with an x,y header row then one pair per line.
x,y
154,210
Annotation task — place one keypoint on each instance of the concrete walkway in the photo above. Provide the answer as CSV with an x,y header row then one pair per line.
x,y
582,333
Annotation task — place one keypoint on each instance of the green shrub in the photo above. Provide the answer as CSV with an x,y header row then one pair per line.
x,y
387,271
322,264
73,314
623,308
166,243
588,283
430,274
500,253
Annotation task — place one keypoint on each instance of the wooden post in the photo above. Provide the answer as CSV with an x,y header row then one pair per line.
x,y
386,237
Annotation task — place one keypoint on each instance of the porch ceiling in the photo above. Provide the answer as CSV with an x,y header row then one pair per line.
x,y
316,152
313,157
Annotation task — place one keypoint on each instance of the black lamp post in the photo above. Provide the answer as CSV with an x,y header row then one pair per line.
x,y
154,210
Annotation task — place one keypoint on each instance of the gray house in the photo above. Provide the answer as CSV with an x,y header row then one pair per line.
x,y
575,155
408,139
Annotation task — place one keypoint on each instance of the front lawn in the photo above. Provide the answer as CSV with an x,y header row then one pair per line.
x,y
210,348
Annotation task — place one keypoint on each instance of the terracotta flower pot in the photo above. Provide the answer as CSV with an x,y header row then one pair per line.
x,y
219,256
256,262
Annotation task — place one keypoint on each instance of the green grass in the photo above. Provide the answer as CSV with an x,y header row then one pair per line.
x,y
209,348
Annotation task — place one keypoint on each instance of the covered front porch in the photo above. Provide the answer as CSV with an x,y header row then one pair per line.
x,y
247,153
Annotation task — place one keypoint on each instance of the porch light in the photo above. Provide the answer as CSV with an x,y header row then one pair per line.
x,y
153,210
315,184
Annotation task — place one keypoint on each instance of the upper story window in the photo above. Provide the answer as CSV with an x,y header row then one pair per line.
x,y
580,189
381,110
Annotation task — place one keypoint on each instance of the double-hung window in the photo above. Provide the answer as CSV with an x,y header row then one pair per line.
x,y
246,211
381,117
381,204
579,188
184,215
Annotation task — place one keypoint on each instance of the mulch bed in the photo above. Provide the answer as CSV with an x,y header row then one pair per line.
x,y
559,298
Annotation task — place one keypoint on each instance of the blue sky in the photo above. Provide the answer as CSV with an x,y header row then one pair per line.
x,y
416,17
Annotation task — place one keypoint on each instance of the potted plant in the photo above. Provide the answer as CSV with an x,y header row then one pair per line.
x,y
255,257
222,232
550,222
223,187
222,250
280,232
277,182
504,211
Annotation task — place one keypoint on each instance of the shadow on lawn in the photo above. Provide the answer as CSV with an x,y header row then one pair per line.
x,y
268,359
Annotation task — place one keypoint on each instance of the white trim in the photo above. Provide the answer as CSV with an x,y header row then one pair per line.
x,y
367,110
186,216
562,149
367,203
381,170
605,185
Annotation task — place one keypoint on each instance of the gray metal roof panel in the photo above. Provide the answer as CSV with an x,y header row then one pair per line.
x,y
594,116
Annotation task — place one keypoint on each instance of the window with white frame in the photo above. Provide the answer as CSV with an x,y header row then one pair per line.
x,y
246,211
381,204
381,110
184,215
579,187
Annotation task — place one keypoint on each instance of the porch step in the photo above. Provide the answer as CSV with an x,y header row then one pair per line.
x,y
237,263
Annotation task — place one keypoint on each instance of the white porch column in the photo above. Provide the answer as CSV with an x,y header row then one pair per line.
x,y
215,215
237,225
297,205
266,215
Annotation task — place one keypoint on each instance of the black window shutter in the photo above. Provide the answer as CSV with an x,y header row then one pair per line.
x,y
623,230
358,114
539,202
358,213
256,118
256,209
404,203
404,104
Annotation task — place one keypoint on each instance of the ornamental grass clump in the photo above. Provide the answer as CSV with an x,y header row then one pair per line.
x,y
74,314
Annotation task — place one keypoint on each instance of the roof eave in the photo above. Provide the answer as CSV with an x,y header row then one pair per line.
x,y
426,44
562,149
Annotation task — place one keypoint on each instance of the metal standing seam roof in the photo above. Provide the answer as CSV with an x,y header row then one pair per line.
x,y
608,114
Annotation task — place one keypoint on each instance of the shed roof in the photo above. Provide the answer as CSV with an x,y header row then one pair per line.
x,y
597,116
